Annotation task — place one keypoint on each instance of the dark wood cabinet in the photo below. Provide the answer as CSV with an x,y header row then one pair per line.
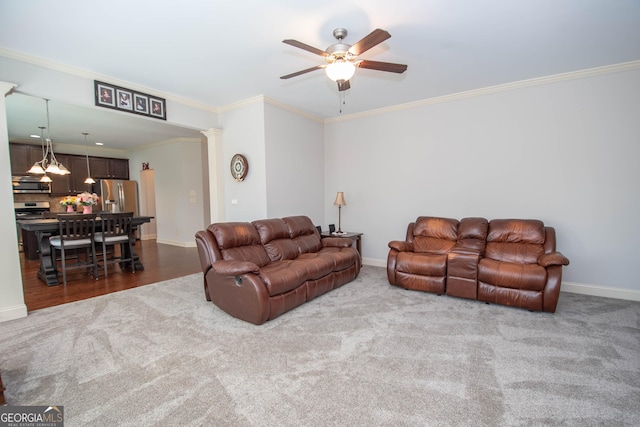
x,y
78,167
73,183
120,168
108,168
23,156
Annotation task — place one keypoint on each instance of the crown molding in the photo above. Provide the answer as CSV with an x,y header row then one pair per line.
x,y
165,142
90,75
293,110
241,104
262,99
591,72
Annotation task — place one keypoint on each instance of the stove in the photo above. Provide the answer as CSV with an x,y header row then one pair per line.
x,y
30,210
27,242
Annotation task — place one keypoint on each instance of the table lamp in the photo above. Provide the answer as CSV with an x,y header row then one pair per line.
x,y
340,202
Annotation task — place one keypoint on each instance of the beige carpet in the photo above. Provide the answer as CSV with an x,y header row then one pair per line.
x,y
364,354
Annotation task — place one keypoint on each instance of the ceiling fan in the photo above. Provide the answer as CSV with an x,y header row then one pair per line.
x,y
342,59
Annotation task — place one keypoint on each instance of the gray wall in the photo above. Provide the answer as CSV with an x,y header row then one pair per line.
x,y
564,151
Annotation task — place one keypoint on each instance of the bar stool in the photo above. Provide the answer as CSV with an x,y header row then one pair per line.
x,y
75,231
116,229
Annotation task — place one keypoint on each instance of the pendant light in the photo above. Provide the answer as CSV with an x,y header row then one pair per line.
x,y
49,163
89,180
37,166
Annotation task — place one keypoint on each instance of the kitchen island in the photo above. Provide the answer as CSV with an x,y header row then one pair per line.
x,y
45,228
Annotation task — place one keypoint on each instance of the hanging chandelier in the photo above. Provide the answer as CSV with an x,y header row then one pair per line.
x,y
49,163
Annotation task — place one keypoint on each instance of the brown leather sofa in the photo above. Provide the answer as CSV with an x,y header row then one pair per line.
x,y
512,262
257,271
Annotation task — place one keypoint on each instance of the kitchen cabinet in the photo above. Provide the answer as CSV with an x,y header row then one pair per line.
x,y
74,183
109,168
23,156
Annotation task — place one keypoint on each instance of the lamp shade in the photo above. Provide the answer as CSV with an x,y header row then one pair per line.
x,y
340,199
340,70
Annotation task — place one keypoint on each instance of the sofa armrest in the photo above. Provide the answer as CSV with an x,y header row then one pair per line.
x,y
465,250
337,242
553,258
235,268
401,246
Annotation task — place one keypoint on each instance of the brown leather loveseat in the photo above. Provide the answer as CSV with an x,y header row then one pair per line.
x,y
258,270
504,261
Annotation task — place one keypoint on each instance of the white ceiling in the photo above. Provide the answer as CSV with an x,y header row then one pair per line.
x,y
221,52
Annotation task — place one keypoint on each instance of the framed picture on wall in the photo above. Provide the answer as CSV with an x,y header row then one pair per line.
x,y
105,95
119,98
124,99
140,103
156,108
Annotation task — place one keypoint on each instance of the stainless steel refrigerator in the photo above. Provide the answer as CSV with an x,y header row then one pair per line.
x,y
119,195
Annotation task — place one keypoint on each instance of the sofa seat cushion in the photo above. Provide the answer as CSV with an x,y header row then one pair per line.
x,y
283,276
422,263
341,258
531,277
317,266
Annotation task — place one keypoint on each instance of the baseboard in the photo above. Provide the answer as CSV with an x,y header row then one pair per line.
x,y
12,313
574,288
374,262
601,291
148,237
177,243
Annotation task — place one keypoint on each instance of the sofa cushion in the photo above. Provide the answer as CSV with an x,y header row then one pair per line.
x,y
513,240
422,263
472,234
283,276
304,233
316,264
341,258
532,277
434,235
274,236
239,241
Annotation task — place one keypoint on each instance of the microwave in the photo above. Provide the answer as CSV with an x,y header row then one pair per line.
x,y
29,184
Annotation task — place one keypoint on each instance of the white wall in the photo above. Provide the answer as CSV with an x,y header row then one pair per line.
x,y
564,152
295,165
179,194
12,304
243,132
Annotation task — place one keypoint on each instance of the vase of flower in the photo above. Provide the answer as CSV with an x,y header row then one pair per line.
x,y
87,200
68,203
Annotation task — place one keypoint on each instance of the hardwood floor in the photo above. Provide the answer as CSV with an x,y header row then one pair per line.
x,y
161,262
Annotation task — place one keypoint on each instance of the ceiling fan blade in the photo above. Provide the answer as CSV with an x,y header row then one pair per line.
x,y
296,43
383,66
376,37
343,85
297,73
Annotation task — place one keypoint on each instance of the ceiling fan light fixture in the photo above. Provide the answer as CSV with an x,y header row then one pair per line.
x,y
340,70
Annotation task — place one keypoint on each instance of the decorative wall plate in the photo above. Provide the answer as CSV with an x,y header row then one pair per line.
x,y
239,167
